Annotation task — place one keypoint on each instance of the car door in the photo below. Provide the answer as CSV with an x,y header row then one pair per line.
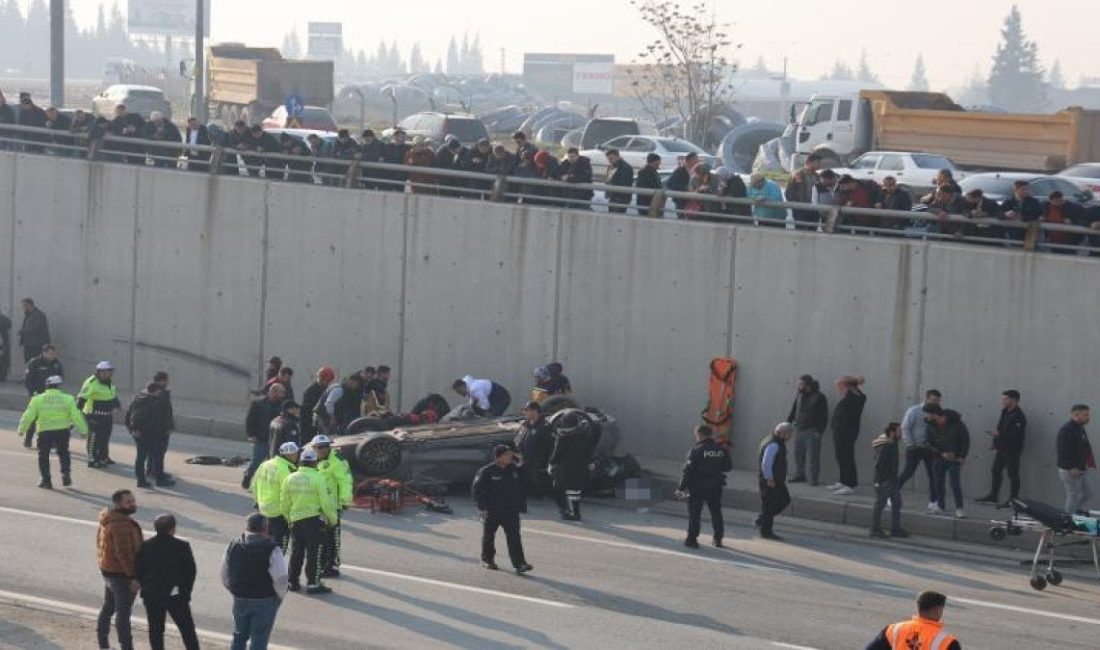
x,y
891,164
866,166
817,124
635,152
844,130
599,162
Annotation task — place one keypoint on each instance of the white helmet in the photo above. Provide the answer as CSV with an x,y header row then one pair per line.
x,y
104,365
288,448
321,440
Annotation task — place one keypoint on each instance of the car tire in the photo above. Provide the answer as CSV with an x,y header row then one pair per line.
x,y
378,455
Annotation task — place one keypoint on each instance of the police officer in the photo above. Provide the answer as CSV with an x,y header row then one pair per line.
x,y
38,370
924,631
267,490
500,497
98,399
703,479
54,414
337,473
575,437
308,506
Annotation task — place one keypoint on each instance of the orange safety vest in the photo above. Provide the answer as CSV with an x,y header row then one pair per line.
x,y
918,634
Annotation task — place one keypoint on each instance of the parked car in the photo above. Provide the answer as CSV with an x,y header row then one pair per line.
x,y
316,118
437,126
1087,175
603,129
142,100
913,170
635,148
328,138
998,186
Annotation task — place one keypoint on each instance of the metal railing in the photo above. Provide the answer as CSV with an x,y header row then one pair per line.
x,y
600,197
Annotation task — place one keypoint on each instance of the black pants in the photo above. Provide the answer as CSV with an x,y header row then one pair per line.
x,y
712,497
845,445
499,400
307,539
279,530
510,524
1006,460
29,435
99,437
331,550
118,603
914,456
30,352
58,440
180,611
887,491
773,500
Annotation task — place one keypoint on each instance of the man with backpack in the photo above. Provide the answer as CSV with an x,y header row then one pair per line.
x,y
148,419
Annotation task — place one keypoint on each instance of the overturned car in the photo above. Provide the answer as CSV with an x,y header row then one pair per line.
x,y
451,450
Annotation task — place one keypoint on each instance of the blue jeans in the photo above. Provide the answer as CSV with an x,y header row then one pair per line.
x,y
253,619
259,455
808,441
944,469
1078,490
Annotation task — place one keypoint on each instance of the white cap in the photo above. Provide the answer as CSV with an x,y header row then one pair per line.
x,y
308,455
54,380
156,115
288,448
104,365
321,441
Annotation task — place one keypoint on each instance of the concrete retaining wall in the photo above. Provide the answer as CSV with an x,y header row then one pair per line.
x,y
206,277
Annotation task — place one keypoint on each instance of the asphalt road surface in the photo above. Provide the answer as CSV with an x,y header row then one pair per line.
x,y
620,579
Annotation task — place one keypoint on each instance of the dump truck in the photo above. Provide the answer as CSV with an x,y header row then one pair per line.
x,y
248,83
843,127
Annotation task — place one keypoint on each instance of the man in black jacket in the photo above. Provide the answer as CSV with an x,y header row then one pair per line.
x,y
500,497
1075,459
393,153
575,437
846,418
619,174
809,416
577,170
257,426
285,428
197,135
255,572
950,439
535,443
702,481
886,482
149,419
311,397
160,130
166,571
772,466
681,178
159,448
1008,441
35,332
371,150
648,179
126,125
38,370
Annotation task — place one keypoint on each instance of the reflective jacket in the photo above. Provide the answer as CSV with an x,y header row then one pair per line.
x,y
337,472
267,485
918,633
305,494
53,410
98,398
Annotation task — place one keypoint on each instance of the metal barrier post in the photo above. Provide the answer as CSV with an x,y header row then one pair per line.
x,y
351,177
500,186
216,161
93,147
831,219
657,205
1031,236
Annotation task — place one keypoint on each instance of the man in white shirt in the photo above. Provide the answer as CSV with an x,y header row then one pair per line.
x,y
486,398
255,572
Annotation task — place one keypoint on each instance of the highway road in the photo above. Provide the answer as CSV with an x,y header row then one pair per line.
x,y
620,579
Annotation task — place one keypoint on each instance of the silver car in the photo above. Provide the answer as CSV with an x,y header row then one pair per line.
x,y
142,100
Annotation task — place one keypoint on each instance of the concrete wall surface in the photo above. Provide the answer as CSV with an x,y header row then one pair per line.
x,y
207,276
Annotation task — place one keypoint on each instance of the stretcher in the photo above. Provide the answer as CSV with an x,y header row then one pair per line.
x,y
1057,530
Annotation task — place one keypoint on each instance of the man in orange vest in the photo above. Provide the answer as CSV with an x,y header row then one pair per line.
x,y
922,632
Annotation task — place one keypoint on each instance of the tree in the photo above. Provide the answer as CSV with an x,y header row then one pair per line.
x,y
438,66
396,65
292,47
865,74
919,80
1016,80
685,71
464,55
453,62
417,63
476,64
975,92
841,71
1055,78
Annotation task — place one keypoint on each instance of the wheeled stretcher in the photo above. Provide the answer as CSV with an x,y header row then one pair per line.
x,y
1057,529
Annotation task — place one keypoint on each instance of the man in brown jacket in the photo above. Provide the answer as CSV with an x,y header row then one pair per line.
x,y
117,544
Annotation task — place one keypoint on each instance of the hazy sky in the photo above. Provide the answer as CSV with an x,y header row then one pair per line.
x,y
953,35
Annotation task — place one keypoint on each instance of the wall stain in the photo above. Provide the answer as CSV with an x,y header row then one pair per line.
x,y
227,367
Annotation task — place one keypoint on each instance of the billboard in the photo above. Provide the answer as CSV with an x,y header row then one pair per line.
x,y
594,78
165,17
556,75
326,40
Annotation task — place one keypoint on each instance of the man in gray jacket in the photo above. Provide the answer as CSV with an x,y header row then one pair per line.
x,y
809,416
914,431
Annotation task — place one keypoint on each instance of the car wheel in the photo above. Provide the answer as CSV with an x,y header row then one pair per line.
x,y
379,455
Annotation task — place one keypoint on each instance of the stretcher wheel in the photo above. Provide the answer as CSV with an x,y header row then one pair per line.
x,y
997,533
1054,577
1039,583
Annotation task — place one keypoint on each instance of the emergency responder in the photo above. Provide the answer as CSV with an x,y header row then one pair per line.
x,y
575,436
267,490
54,414
38,370
702,481
98,399
309,506
337,473
487,398
923,632
498,492
286,427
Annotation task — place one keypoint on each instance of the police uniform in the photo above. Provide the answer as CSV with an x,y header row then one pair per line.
x,y
267,490
915,634
337,473
53,413
703,479
98,400
308,506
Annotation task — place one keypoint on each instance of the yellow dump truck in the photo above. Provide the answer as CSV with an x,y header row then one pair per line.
x,y
843,127
248,83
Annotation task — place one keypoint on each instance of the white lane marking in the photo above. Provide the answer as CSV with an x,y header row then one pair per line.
x,y
62,607
655,549
452,585
791,646
44,515
1025,610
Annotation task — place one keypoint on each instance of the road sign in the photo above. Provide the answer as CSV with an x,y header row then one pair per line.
x,y
294,106
164,17
326,40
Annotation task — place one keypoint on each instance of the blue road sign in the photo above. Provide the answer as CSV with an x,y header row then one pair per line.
x,y
294,106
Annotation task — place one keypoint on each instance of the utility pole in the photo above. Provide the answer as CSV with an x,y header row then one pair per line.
x,y
57,53
200,107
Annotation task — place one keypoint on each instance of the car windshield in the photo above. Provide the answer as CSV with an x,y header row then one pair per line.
x,y
680,146
1082,171
604,130
316,115
145,94
931,161
466,130
989,185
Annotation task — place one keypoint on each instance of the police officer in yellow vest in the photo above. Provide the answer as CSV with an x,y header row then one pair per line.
x,y
337,472
267,490
98,399
54,414
309,506
922,632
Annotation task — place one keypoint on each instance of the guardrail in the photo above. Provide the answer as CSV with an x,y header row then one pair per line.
x,y
652,203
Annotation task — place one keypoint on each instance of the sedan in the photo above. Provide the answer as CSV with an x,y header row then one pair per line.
x,y
913,170
998,186
635,148
142,100
1087,175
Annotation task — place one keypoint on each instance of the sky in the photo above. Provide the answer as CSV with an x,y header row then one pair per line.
x,y
953,35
